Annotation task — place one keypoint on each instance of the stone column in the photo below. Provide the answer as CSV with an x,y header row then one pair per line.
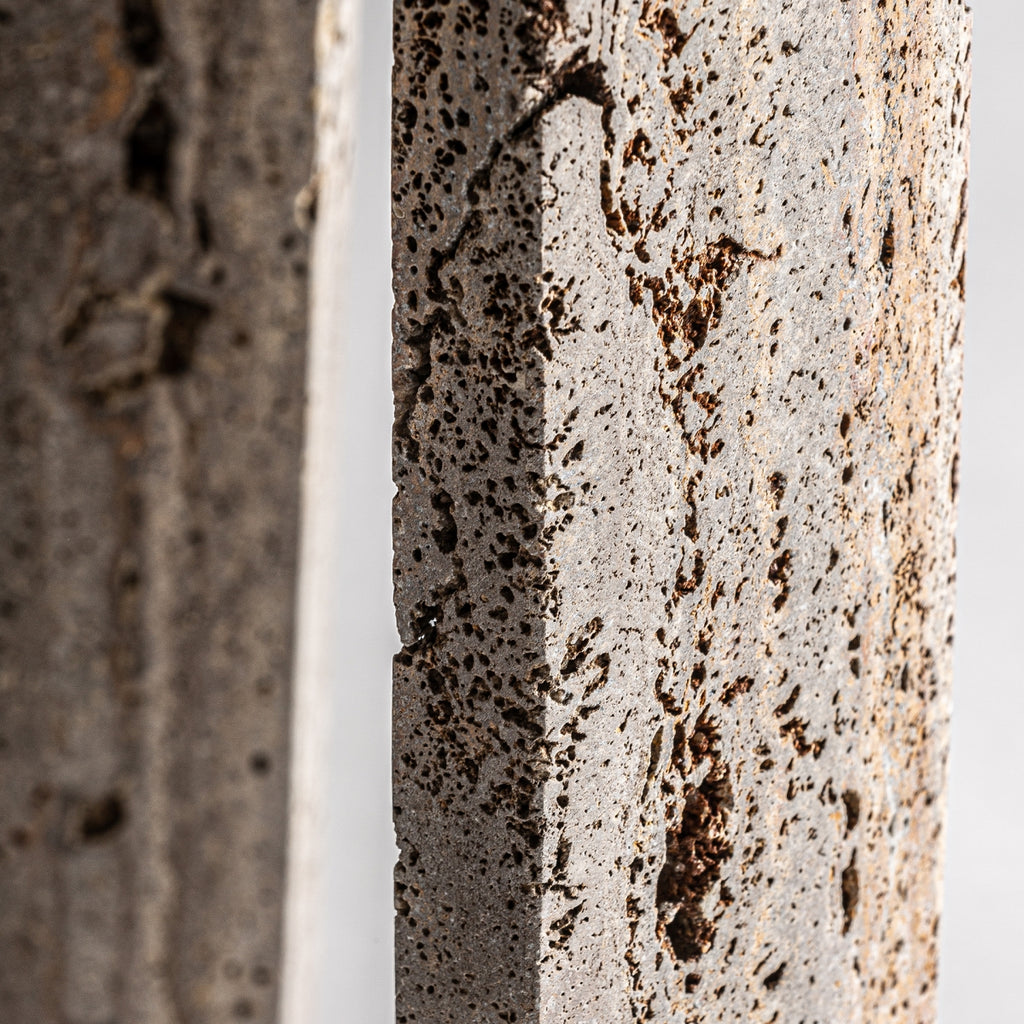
x,y
153,280
679,295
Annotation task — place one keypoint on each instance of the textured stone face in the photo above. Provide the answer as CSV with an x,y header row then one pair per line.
x,y
153,292
679,290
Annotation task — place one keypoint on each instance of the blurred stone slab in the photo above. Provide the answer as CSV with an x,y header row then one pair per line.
x,y
153,281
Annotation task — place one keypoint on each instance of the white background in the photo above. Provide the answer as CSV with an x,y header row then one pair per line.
x,y
983,915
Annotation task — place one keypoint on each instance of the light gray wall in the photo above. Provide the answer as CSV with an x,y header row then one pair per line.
x,y
356,982
983,919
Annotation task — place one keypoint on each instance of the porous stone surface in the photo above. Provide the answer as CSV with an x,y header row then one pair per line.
x,y
153,287
679,290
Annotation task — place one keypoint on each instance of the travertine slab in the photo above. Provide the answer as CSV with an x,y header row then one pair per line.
x,y
677,366
153,283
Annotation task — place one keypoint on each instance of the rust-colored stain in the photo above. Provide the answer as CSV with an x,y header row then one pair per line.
x,y
111,103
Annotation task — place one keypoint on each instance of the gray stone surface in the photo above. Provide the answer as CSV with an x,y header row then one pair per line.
x,y
153,283
677,371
